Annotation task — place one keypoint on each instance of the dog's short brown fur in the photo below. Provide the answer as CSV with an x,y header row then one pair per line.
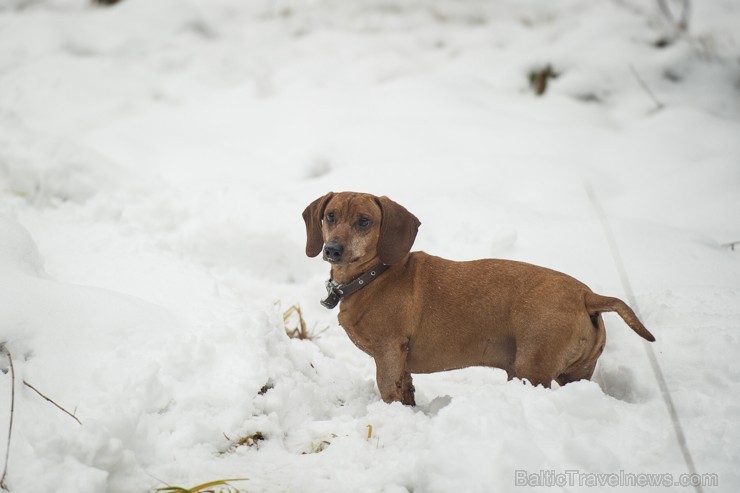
x,y
426,314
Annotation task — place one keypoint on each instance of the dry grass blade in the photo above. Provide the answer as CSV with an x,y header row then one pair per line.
x,y
10,421
201,487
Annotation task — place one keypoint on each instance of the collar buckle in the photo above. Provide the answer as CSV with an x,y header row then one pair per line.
x,y
334,294
335,291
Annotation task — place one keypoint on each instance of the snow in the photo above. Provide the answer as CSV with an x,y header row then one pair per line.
x,y
154,161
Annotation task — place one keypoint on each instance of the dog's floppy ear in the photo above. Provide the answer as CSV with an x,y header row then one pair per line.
x,y
312,215
398,229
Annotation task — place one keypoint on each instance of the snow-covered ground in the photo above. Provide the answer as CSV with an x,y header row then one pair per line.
x,y
155,159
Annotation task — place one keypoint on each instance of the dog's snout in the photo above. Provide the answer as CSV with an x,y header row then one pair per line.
x,y
333,251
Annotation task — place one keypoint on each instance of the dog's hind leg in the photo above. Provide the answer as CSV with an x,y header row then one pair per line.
x,y
584,372
537,366
583,368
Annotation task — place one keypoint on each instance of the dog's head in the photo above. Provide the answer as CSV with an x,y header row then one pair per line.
x,y
354,228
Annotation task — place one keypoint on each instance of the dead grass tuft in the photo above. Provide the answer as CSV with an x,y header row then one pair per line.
x,y
320,446
295,325
251,440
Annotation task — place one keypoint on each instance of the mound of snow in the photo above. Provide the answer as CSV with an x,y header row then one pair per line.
x,y
19,251
46,170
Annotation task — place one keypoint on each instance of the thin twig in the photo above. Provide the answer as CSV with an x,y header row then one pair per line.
x,y
50,400
10,421
658,104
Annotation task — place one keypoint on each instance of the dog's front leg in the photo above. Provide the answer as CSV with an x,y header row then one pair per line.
x,y
408,390
390,364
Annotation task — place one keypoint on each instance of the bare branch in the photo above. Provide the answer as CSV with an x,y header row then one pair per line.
x,y
50,400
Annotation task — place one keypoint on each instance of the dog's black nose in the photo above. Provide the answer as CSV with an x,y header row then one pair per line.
x,y
333,251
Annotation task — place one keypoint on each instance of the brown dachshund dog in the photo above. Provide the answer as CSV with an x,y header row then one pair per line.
x,y
416,313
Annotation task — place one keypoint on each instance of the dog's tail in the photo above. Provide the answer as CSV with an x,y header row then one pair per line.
x,y
595,304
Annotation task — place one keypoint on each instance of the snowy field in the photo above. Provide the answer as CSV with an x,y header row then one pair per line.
x,y
155,158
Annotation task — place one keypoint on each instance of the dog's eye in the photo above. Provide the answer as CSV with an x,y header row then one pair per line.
x,y
330,217
363,222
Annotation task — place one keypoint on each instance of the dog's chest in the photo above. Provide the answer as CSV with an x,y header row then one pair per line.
x,y
355,333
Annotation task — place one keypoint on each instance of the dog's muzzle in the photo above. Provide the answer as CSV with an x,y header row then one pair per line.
x,y
333,251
